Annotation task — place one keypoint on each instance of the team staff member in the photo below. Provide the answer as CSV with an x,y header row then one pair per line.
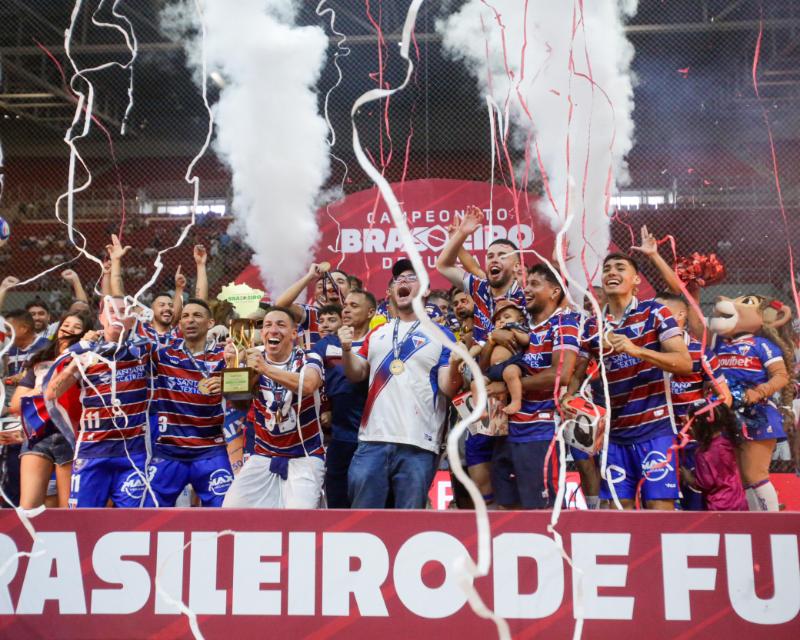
x,y
646,343
190,444
409,382
347,399
110,450
288,465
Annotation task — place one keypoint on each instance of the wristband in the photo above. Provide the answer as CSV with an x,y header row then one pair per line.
x,y
348,349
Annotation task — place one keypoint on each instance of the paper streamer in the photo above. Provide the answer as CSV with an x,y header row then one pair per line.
x,y
466,569
342,51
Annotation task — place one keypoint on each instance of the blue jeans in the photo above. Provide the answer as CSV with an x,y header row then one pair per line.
x,y
380,467
337,463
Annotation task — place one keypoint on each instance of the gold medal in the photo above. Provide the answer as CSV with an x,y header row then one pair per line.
x,y
202,386
397,367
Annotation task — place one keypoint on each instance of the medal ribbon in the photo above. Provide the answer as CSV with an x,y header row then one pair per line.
x,y
397,346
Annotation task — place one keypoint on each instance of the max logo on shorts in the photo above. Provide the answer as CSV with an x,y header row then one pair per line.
x,y
219,482
655,466
134,484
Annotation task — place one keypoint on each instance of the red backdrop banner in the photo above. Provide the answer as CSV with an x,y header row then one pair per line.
x,y
354,574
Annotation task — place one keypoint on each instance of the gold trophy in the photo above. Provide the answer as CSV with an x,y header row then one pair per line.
x,y
237,380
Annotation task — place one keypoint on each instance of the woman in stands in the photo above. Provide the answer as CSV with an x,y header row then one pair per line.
x,y
49,449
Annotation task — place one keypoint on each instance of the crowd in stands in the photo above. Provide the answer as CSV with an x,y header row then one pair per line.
x,y
346,401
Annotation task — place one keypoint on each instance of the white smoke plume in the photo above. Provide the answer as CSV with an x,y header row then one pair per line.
x,y
269,130
546,86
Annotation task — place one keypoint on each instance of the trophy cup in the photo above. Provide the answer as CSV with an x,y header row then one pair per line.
x,y
237,380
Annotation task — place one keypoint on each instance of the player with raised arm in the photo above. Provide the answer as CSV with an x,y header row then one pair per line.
x,y
641,344
288,465
330,287
410,379
501,267
112,370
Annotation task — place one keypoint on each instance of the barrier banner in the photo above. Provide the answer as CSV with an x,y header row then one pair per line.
x,y
388,574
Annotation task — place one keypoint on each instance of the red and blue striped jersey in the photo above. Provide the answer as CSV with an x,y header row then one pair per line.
x,y
481,294
147,330
536,419
639,409
279,431
744,359
686,390
308,329
104,431
190,423
17,358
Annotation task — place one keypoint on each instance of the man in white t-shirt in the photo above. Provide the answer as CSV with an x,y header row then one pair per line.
x,y
409,382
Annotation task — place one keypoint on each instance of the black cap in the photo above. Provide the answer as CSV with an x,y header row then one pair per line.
x,y
403,264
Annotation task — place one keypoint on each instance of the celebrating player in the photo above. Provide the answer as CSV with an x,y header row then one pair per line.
x,y
409,381
329,288
288,466
112,372
548,362
642,341
502,269
190,446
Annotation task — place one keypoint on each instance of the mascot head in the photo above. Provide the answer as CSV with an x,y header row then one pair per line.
x,y
747,314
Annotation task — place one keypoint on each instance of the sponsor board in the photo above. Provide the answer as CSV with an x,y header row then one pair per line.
x,y
348,574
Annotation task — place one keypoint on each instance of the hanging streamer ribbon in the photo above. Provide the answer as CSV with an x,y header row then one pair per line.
x,y
466,568
342,51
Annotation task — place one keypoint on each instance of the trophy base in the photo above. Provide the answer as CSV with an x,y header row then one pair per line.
x,y
237,383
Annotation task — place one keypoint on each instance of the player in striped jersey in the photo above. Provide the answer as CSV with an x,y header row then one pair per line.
x,y
327,290
289,463
547,364
113,373
190,446
647,343
502,266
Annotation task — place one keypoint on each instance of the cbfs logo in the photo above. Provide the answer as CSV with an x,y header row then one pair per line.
x,y
655,466
134,485
219,482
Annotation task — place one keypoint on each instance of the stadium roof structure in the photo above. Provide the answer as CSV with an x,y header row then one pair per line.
x,y
714,39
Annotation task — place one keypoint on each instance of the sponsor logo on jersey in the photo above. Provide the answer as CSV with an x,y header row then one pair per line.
x,y
219,481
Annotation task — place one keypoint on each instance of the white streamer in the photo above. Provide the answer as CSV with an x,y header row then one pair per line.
x,y
466,569
342,51
188,177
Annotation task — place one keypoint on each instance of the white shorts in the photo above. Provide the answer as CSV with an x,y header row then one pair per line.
x,y
256,487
